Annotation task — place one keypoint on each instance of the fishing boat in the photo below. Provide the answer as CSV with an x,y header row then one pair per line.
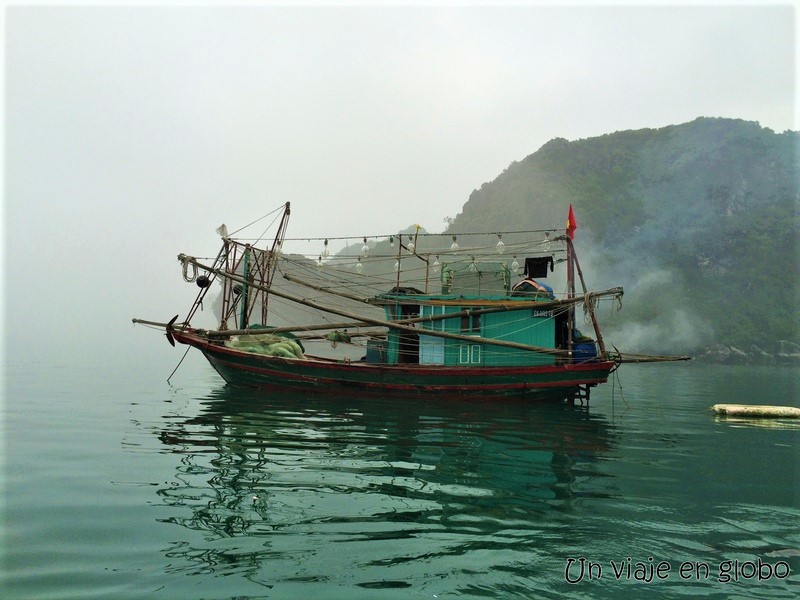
x,y
423,318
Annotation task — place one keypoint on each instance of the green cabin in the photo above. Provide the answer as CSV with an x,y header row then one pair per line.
x,y
469,286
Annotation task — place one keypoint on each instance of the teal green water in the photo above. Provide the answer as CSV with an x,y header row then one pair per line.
x,y
119,485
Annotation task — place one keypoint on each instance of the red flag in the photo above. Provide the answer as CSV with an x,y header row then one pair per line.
x,y
572,224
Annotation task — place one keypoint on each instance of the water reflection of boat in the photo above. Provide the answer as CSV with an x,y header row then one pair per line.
x,y
289,474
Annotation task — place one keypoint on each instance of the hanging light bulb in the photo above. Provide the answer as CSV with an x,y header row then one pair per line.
x,y
278,248
397,266
501,247
411,247
472,266
546,242
454,245
319,262
436,265
359,266
365,248
325,252
515,265
391,241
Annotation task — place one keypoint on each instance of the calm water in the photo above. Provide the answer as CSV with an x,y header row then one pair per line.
x,y
119,485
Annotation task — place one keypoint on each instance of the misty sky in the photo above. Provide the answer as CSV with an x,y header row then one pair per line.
x,y
132,133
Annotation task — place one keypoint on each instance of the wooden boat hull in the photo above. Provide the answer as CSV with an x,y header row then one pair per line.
x,y
554,382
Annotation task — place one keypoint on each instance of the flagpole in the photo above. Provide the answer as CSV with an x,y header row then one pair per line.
x,y
570,295
571,226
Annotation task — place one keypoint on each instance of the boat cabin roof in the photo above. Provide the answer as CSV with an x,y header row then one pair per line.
x,y
470,283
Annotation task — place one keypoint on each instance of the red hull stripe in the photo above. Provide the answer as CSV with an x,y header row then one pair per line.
x,y
321,380
250,369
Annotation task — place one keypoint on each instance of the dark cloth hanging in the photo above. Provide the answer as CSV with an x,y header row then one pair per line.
x,y
537,267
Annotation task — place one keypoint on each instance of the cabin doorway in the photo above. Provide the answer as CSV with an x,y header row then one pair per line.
x,y
408,342
431,348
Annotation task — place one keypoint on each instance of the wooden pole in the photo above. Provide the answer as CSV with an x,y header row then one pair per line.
x,y
504,307
642,358
399,256
272,261
570,295
595,324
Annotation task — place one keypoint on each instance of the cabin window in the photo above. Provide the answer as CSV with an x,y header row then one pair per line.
x,y
471,323
469,354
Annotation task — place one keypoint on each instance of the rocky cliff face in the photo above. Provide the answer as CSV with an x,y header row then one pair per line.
x,y
699,222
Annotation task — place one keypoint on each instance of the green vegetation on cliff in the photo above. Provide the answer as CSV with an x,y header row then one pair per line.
x,y
699,221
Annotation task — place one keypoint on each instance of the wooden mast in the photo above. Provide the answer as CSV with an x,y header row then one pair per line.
x,y
589,305
272,260
244,309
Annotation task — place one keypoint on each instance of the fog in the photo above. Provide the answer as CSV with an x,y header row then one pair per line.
x,y
131,133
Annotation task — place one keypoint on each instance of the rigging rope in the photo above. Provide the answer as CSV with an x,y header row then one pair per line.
x,y
178,366
281,207
266,230
420,234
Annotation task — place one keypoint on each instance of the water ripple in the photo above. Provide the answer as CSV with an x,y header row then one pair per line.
x,y
233,494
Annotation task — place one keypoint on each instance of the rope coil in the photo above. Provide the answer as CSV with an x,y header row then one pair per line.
x,y
589,306
186,261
